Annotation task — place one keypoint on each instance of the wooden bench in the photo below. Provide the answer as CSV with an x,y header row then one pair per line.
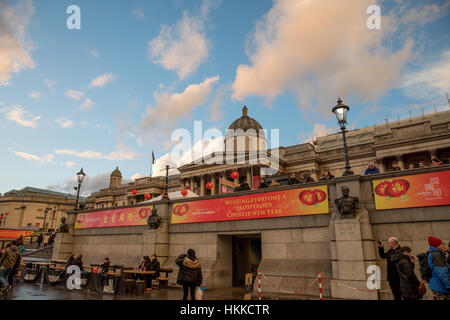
x,y
164,281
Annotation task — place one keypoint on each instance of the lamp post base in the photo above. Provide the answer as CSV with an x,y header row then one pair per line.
x,y
348,173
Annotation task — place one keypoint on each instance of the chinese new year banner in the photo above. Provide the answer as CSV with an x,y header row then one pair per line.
x,y
14,234
114,218
285,203
422,190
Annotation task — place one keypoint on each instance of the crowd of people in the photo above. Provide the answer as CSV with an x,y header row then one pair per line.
x,y
372,168
434,269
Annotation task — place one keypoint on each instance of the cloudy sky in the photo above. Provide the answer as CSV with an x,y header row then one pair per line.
x,y
108,94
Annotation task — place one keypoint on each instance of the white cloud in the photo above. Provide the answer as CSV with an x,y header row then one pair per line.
x,y
139,13
93,53
74,94
14,46
319,130
431,81
87,104
69,164
123,153
320,50
137,176
35,95
64,122
31,157
50,83
103,126
172,106
23,117
182,47
100,81
133,103
90,184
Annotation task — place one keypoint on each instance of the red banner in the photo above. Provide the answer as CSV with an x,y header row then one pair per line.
x,y
284,203
14,234
124,217
421,190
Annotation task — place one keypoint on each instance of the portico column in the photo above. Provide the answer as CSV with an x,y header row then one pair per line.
x,y
191,184
433,154
213,181
249,176
400,162
202,185
380,165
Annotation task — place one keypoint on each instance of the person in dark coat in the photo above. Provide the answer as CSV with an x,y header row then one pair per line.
x,y
243,187
392,273
293,179
78,261
409,283
448,254
105,265
326,175
153,266
440,279
39,240
190,274
307,177
263,184
371,169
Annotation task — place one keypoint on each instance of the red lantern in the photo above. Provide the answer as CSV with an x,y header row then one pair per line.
x,y
6,213
147,196
94,270
1,217
320,195
397,188
235,174
184,192
308,197
209,185
134,191
380,189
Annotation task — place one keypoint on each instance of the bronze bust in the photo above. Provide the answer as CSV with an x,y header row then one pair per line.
x,y
63,227
154,220
346,204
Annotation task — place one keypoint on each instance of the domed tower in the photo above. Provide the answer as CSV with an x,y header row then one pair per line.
x,y
245,134
116,179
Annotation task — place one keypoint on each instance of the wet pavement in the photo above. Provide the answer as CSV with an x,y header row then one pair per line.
x,y
35,291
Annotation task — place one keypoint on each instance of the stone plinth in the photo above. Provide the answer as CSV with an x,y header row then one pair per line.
x,y
63,246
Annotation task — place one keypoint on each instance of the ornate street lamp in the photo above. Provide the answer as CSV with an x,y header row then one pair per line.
x,y
340,110
80,176
45,218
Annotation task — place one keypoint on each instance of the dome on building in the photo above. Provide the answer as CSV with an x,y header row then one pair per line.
x,y
116,173
245,122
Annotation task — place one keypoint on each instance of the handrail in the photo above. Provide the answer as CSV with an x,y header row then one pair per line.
x,y
47,249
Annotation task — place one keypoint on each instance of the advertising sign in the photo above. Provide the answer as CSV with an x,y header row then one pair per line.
x,y
114,218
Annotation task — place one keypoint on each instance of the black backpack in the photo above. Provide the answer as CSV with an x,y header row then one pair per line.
x,y
425,270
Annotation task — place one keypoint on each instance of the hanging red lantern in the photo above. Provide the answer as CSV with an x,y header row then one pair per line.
x,y
184,192
209,185
1,217
235,174
147,196
134,191
6,213
94,270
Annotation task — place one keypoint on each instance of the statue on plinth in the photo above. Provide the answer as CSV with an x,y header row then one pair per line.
x,y
154,220
346,204
63,227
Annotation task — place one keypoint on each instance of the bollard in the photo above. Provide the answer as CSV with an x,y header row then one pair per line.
x,y
320,286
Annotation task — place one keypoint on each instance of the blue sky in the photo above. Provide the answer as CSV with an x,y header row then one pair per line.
x,y
108,94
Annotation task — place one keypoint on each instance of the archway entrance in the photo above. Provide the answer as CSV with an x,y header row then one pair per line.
x,y
246,257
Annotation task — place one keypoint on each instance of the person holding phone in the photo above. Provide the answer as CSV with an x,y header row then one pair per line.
x,y
392,274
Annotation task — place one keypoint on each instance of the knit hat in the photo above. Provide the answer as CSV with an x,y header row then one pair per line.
x,y
434,242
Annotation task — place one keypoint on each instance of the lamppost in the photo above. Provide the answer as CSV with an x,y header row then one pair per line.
x,y
45,218
340,110
166,186
80,176
53,216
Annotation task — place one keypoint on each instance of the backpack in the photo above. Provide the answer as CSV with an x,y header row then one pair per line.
x,y
425,270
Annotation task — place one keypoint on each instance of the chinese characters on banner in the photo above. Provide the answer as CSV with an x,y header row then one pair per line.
x,y
14,234
124,217
284,203
422,190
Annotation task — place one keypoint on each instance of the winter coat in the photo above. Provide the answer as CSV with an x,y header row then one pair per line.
x,y
105,266
154,266
190,270
327,178
40,239
405,268
440,279
371,171
78,262
293,180
263,185
9,258
392,273
243,187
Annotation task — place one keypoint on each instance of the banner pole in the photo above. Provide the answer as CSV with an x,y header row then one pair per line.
x,y
320,286
259,284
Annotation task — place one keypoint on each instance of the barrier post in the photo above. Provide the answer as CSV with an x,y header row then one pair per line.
x,y
259,284
320,286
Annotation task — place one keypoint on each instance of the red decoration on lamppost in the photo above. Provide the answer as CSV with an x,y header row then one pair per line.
x,y
235,174
6,213
209,185
134,192
184,192
147,196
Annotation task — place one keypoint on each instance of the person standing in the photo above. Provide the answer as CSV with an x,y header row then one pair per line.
x,y
395,166
409,283
190,274
392,274
8,262
440,269
39,240
371,169
263,184
293,179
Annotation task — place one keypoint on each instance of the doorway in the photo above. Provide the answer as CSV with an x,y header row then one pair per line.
x,y
246,257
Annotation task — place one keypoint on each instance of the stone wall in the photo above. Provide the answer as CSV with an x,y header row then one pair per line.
x,y
294,249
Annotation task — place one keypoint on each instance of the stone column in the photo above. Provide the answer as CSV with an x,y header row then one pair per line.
x,y
400,162
213,181
191,184
433,154
352,247
202,185
380,165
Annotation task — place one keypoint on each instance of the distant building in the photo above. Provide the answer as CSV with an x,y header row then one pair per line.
x,y
33,207
407,141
